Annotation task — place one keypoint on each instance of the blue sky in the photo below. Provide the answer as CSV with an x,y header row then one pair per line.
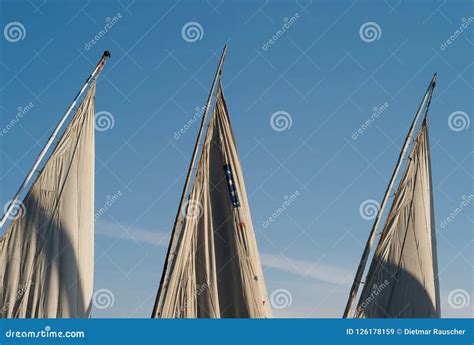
x,y
323,72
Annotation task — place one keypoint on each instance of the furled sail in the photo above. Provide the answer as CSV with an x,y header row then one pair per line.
x,y
215,270
47,253
402,281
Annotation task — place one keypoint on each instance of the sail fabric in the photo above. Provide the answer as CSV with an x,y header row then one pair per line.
x,y
47,253
402,281
215,269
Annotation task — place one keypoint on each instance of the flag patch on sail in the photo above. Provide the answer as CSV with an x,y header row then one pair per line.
x,y
231,185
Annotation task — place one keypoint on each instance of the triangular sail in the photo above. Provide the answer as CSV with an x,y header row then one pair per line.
x,y
402,281
215,270
47,253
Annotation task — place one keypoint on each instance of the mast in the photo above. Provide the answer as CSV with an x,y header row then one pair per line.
x,y
188,178
50,141
425,103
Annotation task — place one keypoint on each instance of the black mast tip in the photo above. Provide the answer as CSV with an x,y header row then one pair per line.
x,y
106,54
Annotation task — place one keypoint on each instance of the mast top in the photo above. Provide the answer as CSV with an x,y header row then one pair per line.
x,y
106,54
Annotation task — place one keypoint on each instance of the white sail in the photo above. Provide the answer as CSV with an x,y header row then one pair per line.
x,y
215,269
402,281
47,253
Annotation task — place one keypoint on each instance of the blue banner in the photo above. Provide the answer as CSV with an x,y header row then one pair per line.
x,y
236,331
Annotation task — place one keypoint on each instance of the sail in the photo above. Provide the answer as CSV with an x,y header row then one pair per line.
x,y
47,253
215,269
402,281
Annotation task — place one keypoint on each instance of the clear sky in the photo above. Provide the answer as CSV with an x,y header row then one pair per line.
x,y
324,71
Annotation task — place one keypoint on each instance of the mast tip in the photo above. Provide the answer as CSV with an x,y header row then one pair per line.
x,y
106,54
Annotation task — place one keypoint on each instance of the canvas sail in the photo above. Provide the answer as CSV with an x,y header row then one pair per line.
x,y
47,254
215,269
402,281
